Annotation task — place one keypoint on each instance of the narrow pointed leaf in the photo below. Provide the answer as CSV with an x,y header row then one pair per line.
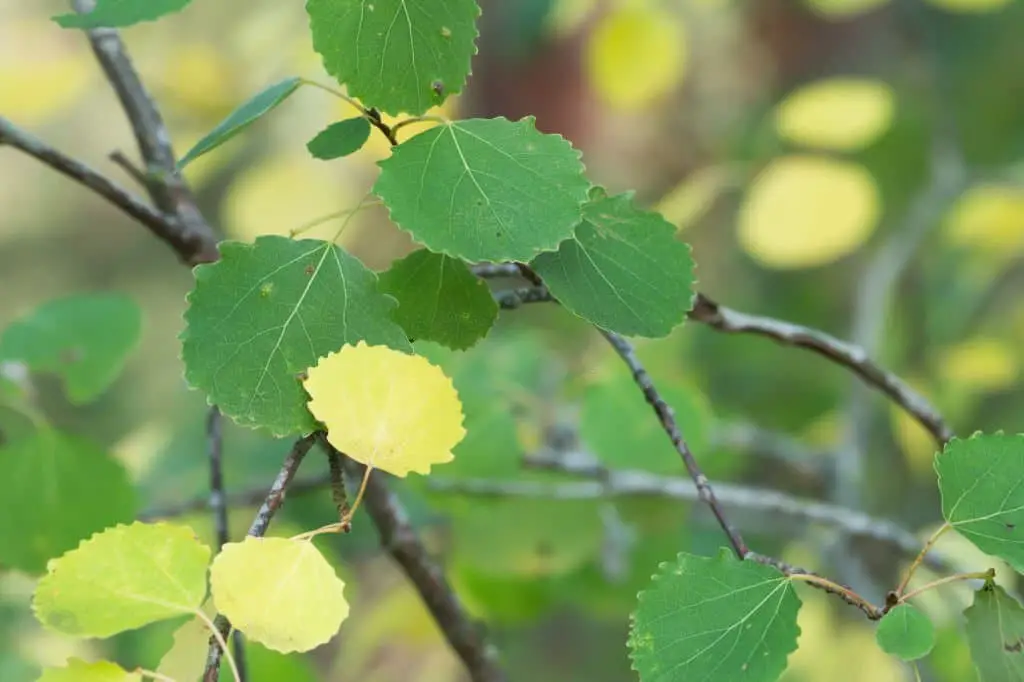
x,y
120,13
340,139
256,106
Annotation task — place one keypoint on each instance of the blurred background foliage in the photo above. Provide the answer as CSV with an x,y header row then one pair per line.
x,y
852,165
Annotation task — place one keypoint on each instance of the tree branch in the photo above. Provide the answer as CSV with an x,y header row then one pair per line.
x,y
273,501
399,539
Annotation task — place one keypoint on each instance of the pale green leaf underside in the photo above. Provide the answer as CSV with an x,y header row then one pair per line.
x,y
256,106
982,484
84,339
439,299
77,670
120,13
715,620
485,189
59,490
122,579
995,633
623,270
396,55
906,632
265,312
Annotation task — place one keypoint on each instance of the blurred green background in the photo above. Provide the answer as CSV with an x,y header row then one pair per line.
x,y
852,165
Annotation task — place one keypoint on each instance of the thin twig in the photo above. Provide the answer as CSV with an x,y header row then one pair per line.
x,y
273,501
136,173
668,422
399,539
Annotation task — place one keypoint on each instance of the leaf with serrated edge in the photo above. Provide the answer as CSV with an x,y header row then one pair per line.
x,y
386,409
395,55
906,632
120,13
264,313
95,492
281,593
84,339
485,189
622,270
122,579
439,299
980,480
242,117
714,619
995,633
340,139
78,670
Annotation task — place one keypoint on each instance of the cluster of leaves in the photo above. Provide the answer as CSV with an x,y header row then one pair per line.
x,y
293,336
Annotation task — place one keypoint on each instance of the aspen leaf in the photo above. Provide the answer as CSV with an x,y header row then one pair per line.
x,y
386,409
281,593
636,54
843,114
805,211
906,632
120,13
995,629
78,670
122,579
987,218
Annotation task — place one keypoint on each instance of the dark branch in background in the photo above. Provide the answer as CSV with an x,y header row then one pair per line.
x,y
273,501
169,192
769,444
399,539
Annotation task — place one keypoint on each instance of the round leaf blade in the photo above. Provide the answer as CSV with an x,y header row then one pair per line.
x,y
906,632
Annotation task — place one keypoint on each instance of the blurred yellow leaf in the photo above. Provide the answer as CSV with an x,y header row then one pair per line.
x,y
980,364
843,114
636,54
971,6
39,76
917,444
78,670
385,408
201,80
282,193
805,211
989,218
842,9
690,201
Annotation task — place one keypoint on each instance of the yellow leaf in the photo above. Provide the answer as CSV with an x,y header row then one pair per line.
x,y
693,198
980,364
78,670
201,80
279,592
842,9
806,211
636,54
386,409
988,218
843,114
971,6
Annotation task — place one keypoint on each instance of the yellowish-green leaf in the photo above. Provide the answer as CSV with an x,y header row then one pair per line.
x,y
844,114
807,211
691,199
843,9
122,579
988,218
386,409
78,670
985,364
971,6
636,54
281,593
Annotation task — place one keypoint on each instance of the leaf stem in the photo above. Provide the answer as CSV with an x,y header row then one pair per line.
x,y
152,674
920,558
339,94
976,575
220,642
348,212
827,584
345,524
418,119
363,203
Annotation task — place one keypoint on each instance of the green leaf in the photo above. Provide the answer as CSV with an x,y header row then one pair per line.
x,y
78,670
120,13
485,189
395,55
618,425
242,117
906,632
714,620
280,592
981,479
995,632
340,139
58,490
265,312
122,579
439,299
623,270
83,339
